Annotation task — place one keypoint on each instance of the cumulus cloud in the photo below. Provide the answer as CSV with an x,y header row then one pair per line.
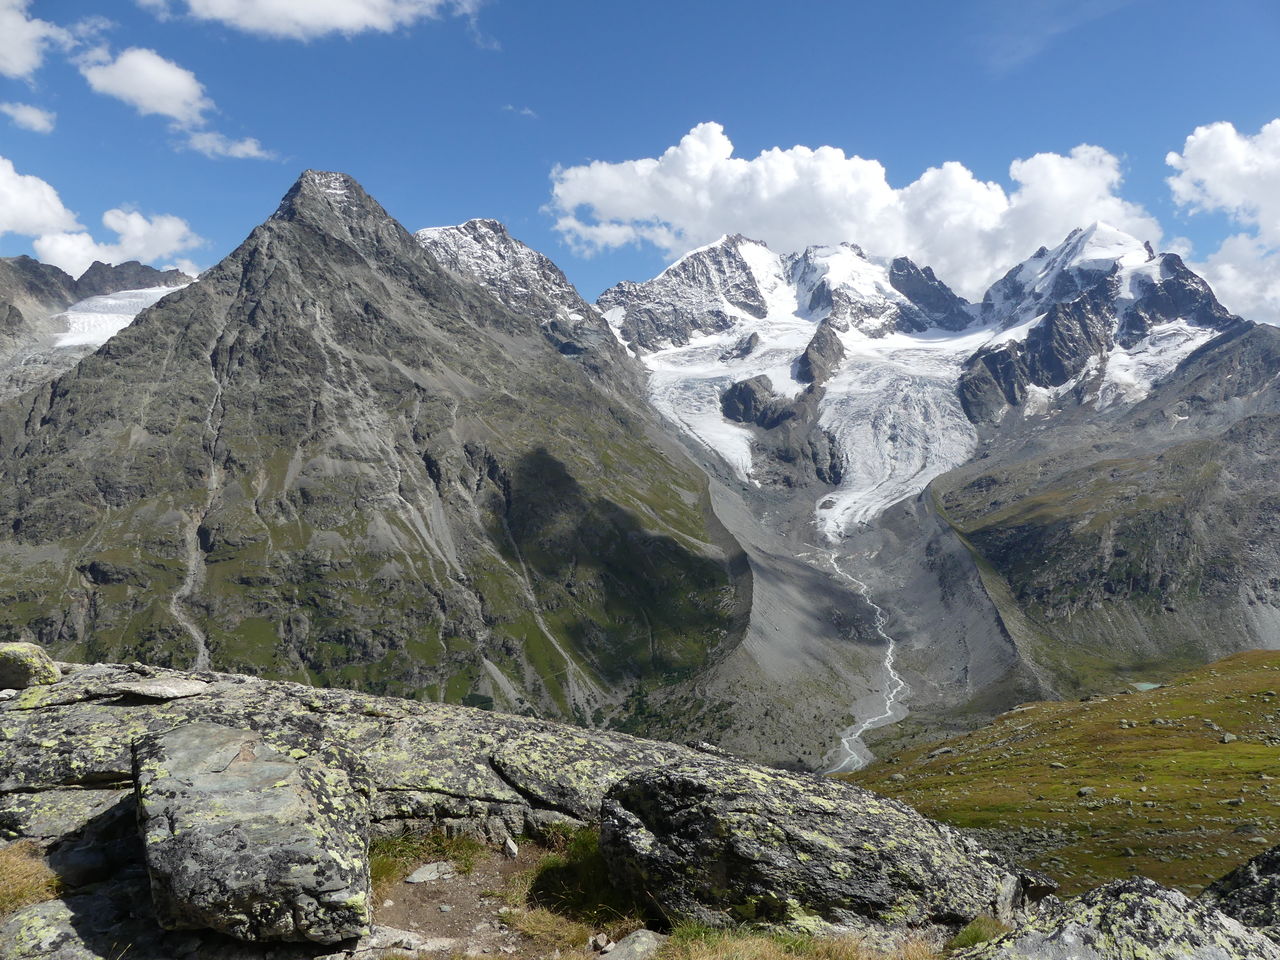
x,y
213,144
27,117
29,206
25,39
1221,170
298,20
969,230
138,238
149,83
153,85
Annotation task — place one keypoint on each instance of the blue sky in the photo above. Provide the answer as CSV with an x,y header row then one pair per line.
x,y
470,110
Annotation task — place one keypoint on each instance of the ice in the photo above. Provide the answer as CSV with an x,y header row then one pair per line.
x,y
892,408
1130,374
94,321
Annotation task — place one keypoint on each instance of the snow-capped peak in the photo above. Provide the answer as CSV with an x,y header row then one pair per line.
x,y
738,280
484,250
1058,275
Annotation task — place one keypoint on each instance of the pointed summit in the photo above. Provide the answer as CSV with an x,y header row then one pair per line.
x,y
323,190
300,461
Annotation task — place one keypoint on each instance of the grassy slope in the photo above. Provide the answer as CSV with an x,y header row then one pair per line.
x,y
1165,801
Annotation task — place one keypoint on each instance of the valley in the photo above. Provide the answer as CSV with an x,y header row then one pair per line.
x,y
827,508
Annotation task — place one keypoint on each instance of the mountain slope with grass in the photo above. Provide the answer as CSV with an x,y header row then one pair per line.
x,y
1177,783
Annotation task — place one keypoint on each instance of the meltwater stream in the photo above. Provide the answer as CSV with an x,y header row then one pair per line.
x,y
851,757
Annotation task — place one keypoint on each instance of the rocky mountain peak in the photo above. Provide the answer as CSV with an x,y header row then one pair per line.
x,y
1101,307
335,204
104,278
483,250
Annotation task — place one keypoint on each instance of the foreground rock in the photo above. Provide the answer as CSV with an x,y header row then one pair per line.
x,y
1128,920
731,844
243,839
252,796
25,665
1251,893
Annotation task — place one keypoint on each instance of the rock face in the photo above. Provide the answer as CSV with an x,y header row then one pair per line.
x,y
25,665
103,278
252,798
1098,293
1251,894
723,845
527,281
250,841
1128,920
753,401
342,460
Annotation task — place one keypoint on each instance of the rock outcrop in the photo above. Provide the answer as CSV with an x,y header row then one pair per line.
x,y
256,800
1128,920
247,840
1251,893
25,665
727,844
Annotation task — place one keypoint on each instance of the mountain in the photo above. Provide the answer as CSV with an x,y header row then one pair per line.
x,y
335,459
1026,497
526,281
47,318
1100,314
786,503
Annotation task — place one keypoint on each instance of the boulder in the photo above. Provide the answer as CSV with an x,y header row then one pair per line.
x,y
25,665
1128,920
640,945
249,841
1251,893
722,844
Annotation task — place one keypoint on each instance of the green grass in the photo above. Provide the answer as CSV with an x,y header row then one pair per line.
x,y
980,930
695,942
391,859
1168,797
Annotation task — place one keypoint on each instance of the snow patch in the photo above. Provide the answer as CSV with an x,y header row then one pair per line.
x,y
1129,375
92,322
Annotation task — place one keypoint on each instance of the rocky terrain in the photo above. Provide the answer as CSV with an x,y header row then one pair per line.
x,y
201,814
322,461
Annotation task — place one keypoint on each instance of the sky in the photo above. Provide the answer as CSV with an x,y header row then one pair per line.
x,y
614,136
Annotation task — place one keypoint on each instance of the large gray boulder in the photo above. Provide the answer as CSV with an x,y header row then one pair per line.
x,y
726,843
25,665
1128,920
249,841
1251,893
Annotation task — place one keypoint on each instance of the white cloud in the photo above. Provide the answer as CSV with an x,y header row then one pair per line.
x,y
153,85
138,238
523,111
149,83
307,19
213,144
24,39
969,230
1221,170
28,117
30,206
